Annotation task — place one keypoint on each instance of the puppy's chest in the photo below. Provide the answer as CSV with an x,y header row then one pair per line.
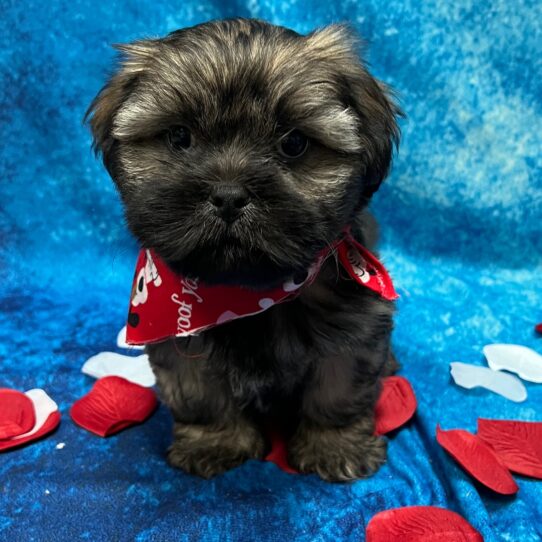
x,y
273,346
274,351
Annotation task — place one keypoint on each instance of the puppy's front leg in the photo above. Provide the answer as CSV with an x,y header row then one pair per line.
x,y
211,433
335,437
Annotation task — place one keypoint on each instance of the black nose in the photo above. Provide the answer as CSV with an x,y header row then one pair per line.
x,y
229,200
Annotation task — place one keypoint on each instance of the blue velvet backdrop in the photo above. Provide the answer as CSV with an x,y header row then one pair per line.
x,y
461,222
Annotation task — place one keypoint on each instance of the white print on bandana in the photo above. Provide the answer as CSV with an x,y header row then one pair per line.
x,y
147,274
359,265
292,285
184,309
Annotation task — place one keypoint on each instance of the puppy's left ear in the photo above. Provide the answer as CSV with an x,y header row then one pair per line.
x,y
372,101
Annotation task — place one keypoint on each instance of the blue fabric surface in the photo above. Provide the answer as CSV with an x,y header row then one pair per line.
x,y
461,224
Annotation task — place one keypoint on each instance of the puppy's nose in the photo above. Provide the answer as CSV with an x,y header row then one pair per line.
x,y
229,200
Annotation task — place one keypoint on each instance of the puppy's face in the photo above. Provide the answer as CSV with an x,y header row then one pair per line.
x,y
240,149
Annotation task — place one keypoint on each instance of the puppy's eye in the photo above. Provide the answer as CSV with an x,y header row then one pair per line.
x,y
294,144
179,137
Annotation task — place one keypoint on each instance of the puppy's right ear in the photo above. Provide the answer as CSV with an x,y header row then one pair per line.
x,y
135,59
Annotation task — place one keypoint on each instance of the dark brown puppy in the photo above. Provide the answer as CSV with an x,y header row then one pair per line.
x,y
240,150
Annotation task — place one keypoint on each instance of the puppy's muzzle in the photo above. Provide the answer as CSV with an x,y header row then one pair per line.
x,y
228,201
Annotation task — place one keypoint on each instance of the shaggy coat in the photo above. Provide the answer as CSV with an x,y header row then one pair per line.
x,y
210,113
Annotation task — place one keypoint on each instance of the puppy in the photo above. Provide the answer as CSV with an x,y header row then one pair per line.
x,y
240,150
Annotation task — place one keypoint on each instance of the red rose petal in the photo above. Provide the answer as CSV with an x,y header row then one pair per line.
x,y
47,419
113,404
395,406
50,424
518,444
17,414
278,453
420,524
478,459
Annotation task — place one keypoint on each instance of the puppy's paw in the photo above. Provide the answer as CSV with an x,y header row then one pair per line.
x,y
336,454
207,462
207,453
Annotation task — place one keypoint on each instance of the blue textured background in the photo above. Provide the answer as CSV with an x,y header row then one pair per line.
x,y
461,221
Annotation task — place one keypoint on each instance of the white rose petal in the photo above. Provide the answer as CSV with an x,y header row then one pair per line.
x,y
473,376
515,358
134,368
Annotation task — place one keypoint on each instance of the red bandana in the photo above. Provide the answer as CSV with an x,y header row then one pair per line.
x,y
165,304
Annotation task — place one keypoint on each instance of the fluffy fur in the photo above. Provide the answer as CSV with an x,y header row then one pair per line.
x,y
240,86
